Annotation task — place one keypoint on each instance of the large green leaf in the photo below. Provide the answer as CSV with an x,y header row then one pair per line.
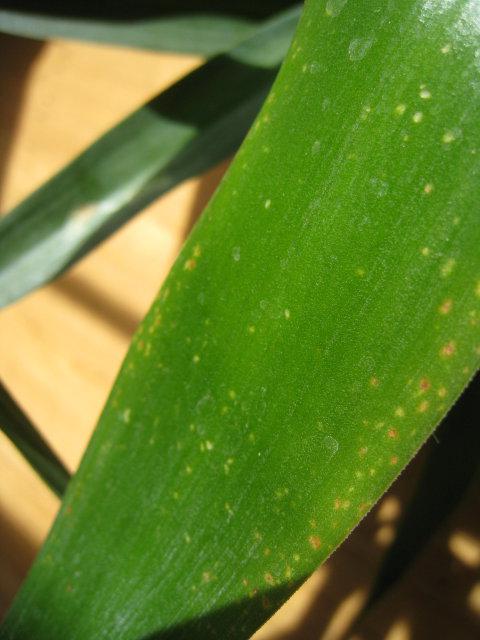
x,y
317,325
205,27
16,426
193,125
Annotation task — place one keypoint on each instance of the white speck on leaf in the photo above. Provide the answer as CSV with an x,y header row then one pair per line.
x,y
333,8
417,117
358,48
425,93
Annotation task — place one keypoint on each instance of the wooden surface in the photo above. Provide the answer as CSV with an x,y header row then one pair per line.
x,y
61,348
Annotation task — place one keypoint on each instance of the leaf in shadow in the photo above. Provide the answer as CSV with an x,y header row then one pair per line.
x,y
188,26
18,428
247,615
452,464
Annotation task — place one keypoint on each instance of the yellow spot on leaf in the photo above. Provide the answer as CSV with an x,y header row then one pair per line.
x,y
190,264
315,542
423,406
392,433
447,268
448,137
428,188
417,117
197,251
269,579
399,412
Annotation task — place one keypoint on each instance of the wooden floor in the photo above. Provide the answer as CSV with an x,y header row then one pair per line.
x,y
61,348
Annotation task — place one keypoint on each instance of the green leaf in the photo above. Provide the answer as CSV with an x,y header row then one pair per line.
x,y
203,28
319,322
16,426
187,129
457,449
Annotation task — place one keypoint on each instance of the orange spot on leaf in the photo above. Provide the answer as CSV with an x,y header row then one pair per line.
x,y
448,349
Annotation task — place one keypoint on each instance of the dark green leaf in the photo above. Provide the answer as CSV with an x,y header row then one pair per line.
x,y
187,129
15,424
204,28
319,322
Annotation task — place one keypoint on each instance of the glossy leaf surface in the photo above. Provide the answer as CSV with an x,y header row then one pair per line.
x,y
317,325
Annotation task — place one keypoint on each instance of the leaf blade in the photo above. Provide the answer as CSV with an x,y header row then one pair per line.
x,y
22,433
300,350
205,28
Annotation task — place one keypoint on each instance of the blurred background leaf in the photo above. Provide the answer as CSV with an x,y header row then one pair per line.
x,y
19,429
187,129
187,26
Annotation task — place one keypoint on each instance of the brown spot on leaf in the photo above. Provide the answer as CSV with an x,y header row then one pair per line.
x,y
315,542
190,264
424,384
445,307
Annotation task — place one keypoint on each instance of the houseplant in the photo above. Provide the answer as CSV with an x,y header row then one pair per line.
x,y
295,348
